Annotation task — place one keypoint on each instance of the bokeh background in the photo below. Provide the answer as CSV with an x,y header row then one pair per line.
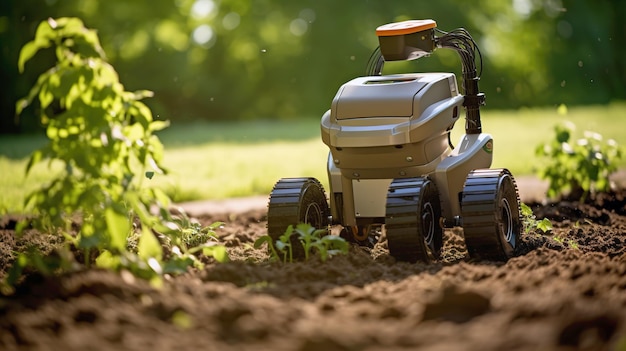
x,y
230,60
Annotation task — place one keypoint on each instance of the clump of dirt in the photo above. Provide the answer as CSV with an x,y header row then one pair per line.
x,y
563,290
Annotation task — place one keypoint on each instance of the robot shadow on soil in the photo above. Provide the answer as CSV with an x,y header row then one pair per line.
x,y
392,166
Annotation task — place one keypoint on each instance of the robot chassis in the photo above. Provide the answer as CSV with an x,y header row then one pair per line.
x,y
391,164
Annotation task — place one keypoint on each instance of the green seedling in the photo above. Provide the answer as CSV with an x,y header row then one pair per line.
x,y
531,223
562,240
317,240
306,237
281,249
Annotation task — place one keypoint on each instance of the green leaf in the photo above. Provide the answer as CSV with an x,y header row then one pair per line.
x,y
28,51
281,246
213,226
158,125
108,260
156,147
43,39
118,226
139,208
148,247
544,225
526,210
23,103
265,239
177,265
216,251
321,249
335,245
141,94
163,201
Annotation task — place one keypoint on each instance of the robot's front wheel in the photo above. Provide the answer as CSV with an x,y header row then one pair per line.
x,y
412,219
490,207
294,201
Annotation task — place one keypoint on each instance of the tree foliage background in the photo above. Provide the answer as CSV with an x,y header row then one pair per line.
x,y
282,59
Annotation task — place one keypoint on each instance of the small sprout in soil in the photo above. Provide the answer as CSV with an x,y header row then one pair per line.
x,y
569,242
302,242
531,223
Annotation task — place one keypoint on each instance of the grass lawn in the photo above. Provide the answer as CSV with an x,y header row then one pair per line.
x,y
221,160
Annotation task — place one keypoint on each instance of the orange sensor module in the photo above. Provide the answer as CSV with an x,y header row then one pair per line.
x,y
405,27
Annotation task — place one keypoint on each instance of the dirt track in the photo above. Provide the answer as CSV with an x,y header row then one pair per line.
x,y
563,291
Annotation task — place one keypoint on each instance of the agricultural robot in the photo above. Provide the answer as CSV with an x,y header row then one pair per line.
x,y
392,167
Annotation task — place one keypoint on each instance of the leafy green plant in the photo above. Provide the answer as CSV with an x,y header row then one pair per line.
x,y
185,238
103,136
584,164
280,249
306,237
531,223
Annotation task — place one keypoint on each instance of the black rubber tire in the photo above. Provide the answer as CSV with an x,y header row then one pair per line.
x,y
412,227
294,201
490,208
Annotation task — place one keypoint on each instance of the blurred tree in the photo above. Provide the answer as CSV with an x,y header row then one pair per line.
x,y
244,59
589,55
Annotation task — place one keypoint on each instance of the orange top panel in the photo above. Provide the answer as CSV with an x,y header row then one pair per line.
x,y
405,27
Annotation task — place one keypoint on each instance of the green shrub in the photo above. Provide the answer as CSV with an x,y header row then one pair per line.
x,y
103,135
581,166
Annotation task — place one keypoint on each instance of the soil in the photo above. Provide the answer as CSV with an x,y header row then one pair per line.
x,y
563,291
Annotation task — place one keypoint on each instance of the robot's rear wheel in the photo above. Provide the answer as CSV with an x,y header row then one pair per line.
x,y
491,214
412,220
294,201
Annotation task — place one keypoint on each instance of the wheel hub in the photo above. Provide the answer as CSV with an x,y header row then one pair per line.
x,y
313,215
506,225
428,223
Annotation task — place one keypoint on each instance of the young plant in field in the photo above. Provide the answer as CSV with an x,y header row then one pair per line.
x,y
569,242
318,241
306,238
185,238
282,248
584,164
104,137
531,223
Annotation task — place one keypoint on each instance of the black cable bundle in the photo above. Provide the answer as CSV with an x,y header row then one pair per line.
x,y
375,63
462,42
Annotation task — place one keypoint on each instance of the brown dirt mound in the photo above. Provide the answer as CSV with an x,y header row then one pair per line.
x,y
563,291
